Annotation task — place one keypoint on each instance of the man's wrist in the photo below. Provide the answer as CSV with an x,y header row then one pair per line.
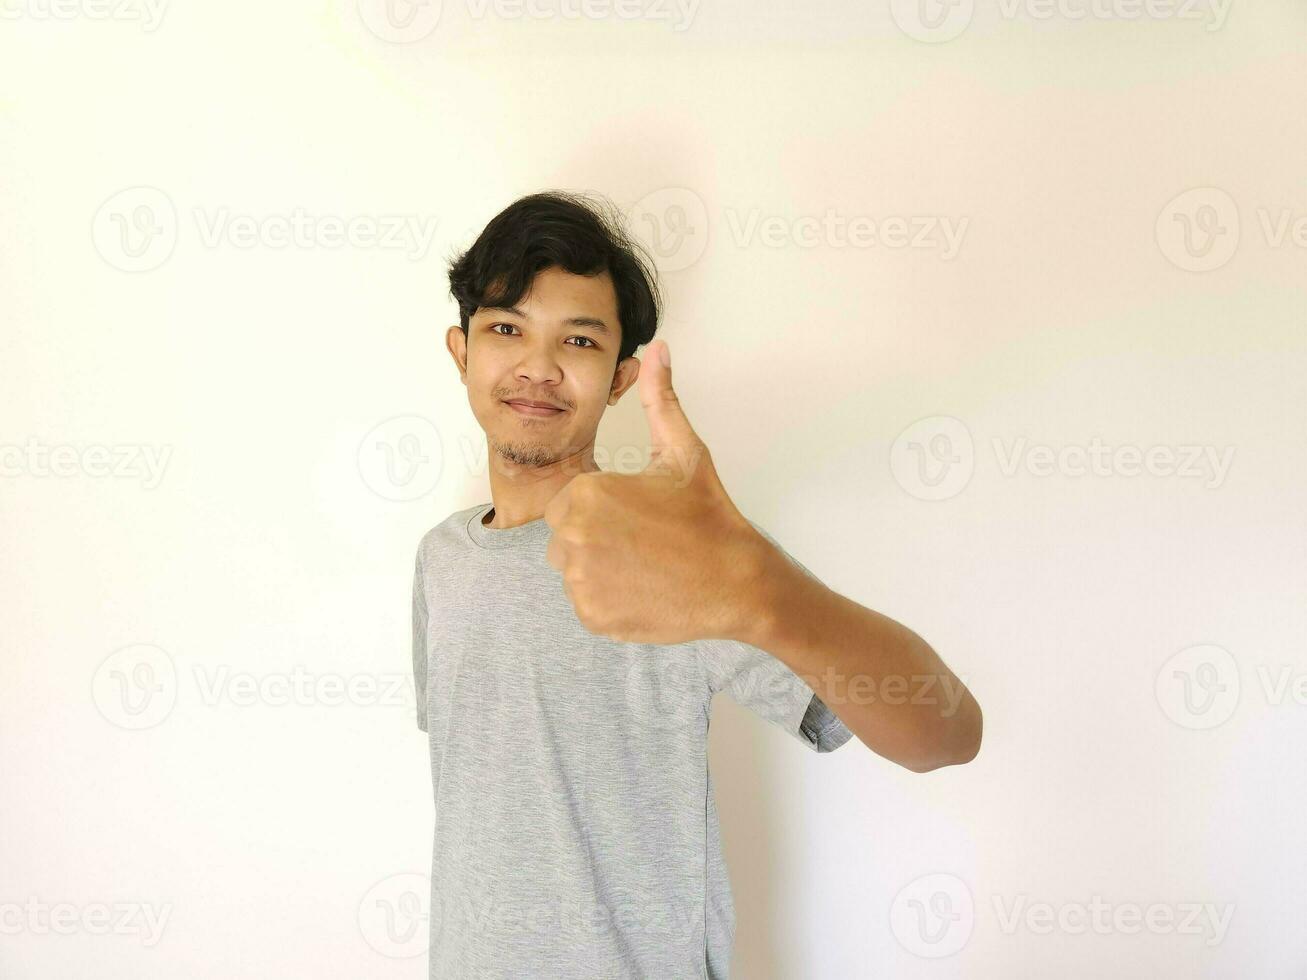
x,y
762,582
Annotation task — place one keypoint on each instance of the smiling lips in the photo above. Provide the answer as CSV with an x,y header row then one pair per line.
x,y
527,406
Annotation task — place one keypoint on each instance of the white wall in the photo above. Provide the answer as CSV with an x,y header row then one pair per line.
x,y
1068,311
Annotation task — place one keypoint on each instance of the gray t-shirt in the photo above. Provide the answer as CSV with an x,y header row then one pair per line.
x,y
576,833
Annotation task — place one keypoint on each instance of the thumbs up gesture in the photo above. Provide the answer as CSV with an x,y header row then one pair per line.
x,y
660,556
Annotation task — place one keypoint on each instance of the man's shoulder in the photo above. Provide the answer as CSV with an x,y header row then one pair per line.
x,y
449,532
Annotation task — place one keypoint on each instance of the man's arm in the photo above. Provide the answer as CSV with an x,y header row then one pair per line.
x,y
883,681
692,568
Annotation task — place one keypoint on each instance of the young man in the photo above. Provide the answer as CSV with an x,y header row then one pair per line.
x,y
569,636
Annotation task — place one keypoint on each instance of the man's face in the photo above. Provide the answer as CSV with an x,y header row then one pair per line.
x,y
558,346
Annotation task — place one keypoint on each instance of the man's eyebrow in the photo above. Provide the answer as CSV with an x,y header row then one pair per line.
x,y
573,321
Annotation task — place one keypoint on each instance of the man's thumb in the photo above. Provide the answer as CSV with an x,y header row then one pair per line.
x,y
668,425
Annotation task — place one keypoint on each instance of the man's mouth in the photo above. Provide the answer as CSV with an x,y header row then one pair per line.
x,y
526,406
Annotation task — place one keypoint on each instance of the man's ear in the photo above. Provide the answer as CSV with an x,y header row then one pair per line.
x,y
623,377
456,341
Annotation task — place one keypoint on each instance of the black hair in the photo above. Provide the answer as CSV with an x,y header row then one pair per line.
x,y
581,235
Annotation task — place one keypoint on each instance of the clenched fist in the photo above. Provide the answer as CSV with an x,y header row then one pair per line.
x,y
661,556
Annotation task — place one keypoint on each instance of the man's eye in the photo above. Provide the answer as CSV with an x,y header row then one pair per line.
x,y
494,327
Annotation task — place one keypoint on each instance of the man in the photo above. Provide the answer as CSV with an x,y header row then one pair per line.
x,y
568,637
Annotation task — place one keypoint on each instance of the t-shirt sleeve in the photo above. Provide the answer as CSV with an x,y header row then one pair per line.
x,y
764,684
420,642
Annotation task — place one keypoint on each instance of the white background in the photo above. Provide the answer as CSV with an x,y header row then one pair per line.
x,y
1075,152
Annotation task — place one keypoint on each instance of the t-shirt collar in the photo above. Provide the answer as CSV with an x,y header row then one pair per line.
x,y
504,537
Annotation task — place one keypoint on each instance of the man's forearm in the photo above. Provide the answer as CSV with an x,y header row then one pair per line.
x,y
883,680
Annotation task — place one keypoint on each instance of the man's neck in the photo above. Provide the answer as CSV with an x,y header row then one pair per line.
x,y
520,495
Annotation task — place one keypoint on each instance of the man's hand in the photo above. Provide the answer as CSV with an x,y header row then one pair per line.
x,y
661,556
